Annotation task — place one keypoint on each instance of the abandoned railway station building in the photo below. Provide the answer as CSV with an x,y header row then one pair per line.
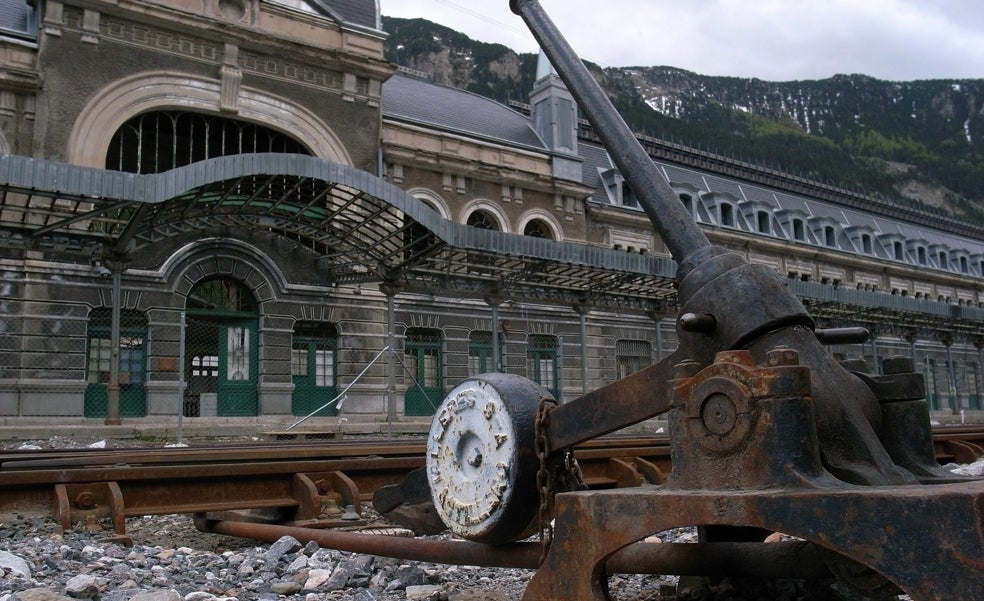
x,y
239,209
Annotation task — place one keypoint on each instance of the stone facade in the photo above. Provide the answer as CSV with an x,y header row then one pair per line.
x,y
296,71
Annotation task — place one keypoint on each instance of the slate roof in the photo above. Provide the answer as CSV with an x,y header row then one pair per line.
x,y
452,110
358,12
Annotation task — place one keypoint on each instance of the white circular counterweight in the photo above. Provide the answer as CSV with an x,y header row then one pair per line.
x,y
481,462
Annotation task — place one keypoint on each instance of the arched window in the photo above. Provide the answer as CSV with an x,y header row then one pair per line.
x,y
222,294
157,141
483,220
536,228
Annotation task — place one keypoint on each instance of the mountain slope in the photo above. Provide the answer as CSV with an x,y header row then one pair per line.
x,y
915,143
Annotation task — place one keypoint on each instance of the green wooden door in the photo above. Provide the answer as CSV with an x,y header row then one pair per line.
x,y
236,393
424,364
313,363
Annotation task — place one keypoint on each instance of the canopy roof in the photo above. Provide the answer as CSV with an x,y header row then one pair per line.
x,y
364,229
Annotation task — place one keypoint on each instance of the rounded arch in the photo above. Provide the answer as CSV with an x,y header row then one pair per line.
x,y
130,96
489,207
432,200
216,257
539,215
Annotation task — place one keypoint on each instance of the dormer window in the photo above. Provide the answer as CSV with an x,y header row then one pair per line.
x,y
940,256
825,231
862,236
799,230
921,255
722,209
727,215
764,222
892,245
628,198
792,224
976,262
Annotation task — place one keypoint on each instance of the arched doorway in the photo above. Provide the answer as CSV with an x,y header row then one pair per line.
x,y
221,350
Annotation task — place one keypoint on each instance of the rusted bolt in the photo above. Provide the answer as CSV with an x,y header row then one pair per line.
x,y
686,369
782,355
739,357
897,365
85,500
350,514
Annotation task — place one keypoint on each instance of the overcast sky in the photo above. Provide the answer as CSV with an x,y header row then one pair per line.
x,y
777,40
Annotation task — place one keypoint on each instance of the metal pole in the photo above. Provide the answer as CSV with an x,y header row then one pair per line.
x,y
951,376
390,291
495,335
181,377
113,388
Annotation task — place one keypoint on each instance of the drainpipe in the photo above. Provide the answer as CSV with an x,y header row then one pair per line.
x,y
390,290
117,265
494,300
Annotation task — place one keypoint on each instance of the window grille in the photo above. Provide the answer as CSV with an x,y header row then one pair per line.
x,y
157,141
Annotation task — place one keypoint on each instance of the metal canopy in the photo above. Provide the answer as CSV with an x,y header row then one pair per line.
x,y
365,230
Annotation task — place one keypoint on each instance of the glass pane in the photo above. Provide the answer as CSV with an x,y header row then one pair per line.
x,y
237,354
411,365
430,370
298,362
99,356
324,367
474,364
546,373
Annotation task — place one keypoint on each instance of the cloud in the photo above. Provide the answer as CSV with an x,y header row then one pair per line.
x,y
768,39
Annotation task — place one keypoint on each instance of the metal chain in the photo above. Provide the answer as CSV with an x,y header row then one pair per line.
x,y
552,476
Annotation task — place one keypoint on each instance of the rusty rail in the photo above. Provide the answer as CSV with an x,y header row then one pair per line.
x,y
296,479
790,559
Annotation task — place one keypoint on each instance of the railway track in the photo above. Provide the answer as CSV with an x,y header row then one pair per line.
x,y
312,484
